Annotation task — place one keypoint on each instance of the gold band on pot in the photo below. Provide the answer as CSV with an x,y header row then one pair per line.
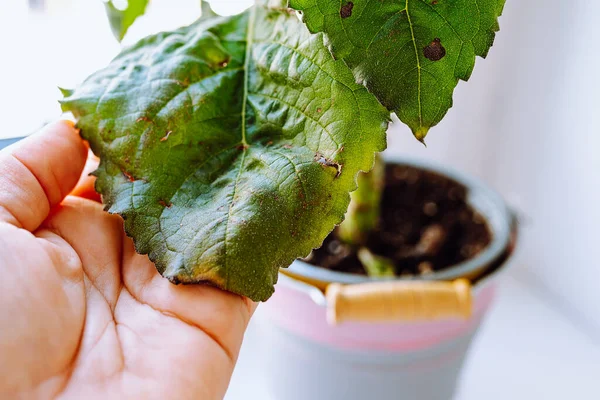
x,y
398,301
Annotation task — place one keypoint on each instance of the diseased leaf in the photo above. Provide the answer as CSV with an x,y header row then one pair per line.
x,y
230,146
121,19
409,53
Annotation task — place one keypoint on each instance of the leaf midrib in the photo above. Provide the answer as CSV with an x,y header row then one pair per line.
x,y
249,43
412,34
244,143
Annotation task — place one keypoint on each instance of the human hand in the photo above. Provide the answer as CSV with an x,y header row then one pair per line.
x,y
82,315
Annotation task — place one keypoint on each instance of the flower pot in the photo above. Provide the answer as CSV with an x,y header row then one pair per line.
x,y
400,339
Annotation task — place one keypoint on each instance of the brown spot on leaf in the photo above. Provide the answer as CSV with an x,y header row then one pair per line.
x,y
165,204
319,110
434,51
346,10
242,147
287,146
328,163
145,119
184,83
270,142
128,176
164,138
224,63
434,2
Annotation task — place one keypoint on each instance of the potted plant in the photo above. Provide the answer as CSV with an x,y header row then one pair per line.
x,y
231,147
397,326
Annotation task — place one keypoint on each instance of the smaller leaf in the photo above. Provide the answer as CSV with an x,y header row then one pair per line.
x,y
410,53
121,18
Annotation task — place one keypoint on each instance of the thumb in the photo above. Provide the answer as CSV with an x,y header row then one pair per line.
x,y
38,172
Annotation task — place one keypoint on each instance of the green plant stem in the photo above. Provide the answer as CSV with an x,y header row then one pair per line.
x,y
376,266
363,212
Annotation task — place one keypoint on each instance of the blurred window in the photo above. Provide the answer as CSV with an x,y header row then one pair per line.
x,y
50,43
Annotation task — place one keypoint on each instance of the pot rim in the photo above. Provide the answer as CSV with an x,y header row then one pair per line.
x,y
480,196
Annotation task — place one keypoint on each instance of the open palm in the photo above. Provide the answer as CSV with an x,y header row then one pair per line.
x,y
82,315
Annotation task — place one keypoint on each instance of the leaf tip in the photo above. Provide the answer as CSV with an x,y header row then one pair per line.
x,y
420,134
207,11
65,106
65,92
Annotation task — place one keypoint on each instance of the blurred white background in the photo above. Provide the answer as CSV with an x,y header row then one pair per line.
x,y
528,123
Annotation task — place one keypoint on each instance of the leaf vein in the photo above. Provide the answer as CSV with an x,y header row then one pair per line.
x,y
229,212
412,33
296,172
303,112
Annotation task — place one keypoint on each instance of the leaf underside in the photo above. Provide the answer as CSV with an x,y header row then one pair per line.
x,y
229,147
409,53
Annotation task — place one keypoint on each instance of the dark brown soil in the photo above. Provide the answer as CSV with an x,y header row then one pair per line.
x,y
425,225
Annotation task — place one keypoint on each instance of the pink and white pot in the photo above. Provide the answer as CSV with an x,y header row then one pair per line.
x,y
330,335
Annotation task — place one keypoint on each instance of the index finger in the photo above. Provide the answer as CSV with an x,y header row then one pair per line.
x,y
38,172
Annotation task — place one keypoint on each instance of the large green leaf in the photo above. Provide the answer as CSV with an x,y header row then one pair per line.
x,y
409,53
121,19
230,146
